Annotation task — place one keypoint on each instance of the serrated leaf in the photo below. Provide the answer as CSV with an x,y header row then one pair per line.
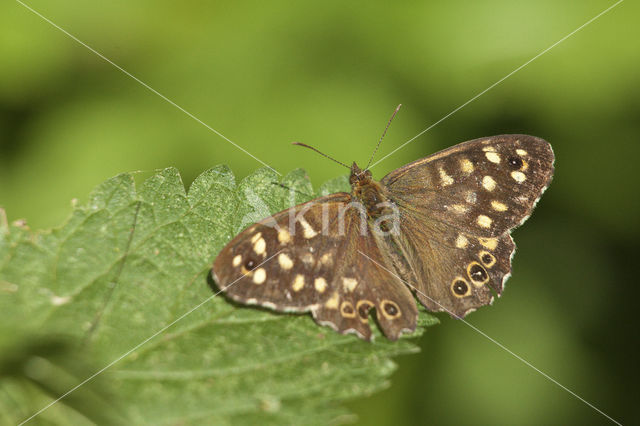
x,y
126,280
338,184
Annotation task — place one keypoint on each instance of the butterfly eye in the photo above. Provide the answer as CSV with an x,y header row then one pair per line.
x,y
515,162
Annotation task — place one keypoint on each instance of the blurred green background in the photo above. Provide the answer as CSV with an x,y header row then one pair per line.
x,y
329,74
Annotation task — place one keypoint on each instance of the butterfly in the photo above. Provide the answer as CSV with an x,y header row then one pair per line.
x,y
436,230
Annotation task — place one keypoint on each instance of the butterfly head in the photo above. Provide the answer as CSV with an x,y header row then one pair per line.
x,y
359,176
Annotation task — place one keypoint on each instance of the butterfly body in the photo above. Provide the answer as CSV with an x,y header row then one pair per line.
x,y
437,229
367,191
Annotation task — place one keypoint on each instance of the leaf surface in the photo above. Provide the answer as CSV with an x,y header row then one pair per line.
x,y
125,283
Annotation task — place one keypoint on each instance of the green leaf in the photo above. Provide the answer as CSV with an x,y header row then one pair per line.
x,y
124,284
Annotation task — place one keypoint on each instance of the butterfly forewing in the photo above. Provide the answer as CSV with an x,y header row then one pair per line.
x,y
458,279
485,186
274,264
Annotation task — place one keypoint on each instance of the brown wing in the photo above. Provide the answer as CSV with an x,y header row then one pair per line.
x,y
307,258
457,209
484,187
451,277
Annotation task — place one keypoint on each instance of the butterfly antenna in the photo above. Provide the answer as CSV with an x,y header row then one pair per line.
x,y
382,137
282,185
321,153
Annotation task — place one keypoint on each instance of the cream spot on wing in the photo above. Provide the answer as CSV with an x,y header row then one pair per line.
x,y
307,230
488,183
518,176
326,259
521,152
494,157
284,236
459,208
484,221
332,303
298,282
461,241
285,261
445,178
498,206
490,243
256,237
471,197
236,260
307,258
488,148
349,284
269,305
259,276
260,246
320,284
466,165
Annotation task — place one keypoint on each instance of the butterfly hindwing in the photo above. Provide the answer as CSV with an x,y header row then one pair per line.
x,y
463,272
365,281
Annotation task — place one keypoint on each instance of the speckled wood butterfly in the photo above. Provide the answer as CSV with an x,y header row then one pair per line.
x,y
438,228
